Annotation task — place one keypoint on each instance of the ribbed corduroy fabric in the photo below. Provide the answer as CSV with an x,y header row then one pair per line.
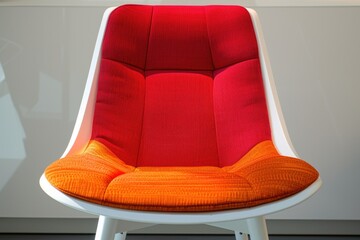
x,y
180,121
261,176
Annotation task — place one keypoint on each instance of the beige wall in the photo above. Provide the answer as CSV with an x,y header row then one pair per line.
x,y
45,54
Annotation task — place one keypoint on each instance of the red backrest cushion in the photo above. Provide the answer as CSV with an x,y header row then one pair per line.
x,y
180,86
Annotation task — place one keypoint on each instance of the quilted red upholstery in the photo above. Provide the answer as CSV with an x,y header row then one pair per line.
x,y
180,86
180,121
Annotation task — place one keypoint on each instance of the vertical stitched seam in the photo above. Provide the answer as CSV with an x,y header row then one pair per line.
x,y
207,31
213,77
148,43
143,113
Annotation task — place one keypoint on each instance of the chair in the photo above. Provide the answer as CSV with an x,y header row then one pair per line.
x,y
180,124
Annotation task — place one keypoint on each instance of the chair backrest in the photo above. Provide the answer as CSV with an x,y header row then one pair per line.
x,y
179,85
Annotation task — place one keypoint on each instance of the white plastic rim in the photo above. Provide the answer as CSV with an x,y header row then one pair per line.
x,y
81,135
174,217
83,126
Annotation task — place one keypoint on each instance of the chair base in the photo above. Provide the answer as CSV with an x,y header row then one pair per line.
x,y
115,223
111,229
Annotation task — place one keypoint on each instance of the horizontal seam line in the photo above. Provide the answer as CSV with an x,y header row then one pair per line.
x,y
122,62
173,69
247,60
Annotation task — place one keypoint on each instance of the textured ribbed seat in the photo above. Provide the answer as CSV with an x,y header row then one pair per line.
x,y
181,121
97,175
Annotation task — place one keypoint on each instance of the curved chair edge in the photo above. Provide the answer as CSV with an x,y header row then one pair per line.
x,y
280,135
82,128
178,218
81,135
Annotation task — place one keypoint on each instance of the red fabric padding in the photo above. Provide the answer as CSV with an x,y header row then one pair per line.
x,y
179,39
180,85
231,35
178,127
240,110
119,109
127,34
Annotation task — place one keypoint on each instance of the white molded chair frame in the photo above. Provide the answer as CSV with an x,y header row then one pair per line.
x,y
114,223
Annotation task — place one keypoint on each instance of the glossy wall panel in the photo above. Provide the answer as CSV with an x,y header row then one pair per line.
x,y
44,59
315,59
44,55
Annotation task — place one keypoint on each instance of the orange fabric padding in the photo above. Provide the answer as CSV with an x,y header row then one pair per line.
x,y
261,176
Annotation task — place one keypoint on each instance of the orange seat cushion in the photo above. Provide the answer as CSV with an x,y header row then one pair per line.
x,y
180,120
261,176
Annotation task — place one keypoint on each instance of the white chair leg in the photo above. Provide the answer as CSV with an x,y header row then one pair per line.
x,y
241,236
106,228
120,236
257,228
